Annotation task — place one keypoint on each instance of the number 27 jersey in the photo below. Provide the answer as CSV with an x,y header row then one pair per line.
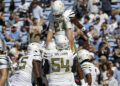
x,y
60,61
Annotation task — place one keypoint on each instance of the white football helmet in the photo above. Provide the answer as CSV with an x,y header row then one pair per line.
x,y
58,7
61,42
52,46
34,48
83,54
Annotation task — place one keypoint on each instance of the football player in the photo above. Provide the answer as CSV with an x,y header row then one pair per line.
x,y
3,64
74,19
27,64
58,24
89,69
60,64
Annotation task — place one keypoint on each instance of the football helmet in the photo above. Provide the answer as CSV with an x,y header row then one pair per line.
x,y
61,42
82,55
52,46
58,7
34,48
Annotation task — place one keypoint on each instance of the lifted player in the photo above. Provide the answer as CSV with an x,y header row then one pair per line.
x,y
58,24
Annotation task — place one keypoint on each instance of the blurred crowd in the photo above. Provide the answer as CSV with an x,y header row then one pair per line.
x,y
97,16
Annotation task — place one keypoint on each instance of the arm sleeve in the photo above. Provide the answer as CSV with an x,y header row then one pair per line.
x,y
67,22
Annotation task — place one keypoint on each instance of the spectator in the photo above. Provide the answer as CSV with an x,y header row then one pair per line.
x,y
29,16
38,12
117,16
80,7
13,54
117,31
112,66
111,80
44,3
106,6
52,1
113,25
31,6
103,60
23,8
103,50
116,51
96,43
24,38
2,6
103,16
93,6
35,31
104,72
2,19
26,24
4,34
18,23
12,6
11,20
97,25
92,16
115,70
93,32
117,75
104,31
86,23
15,35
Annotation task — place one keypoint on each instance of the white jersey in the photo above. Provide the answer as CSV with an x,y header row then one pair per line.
x,y
3,61
23,76
61,63
88,67
59,25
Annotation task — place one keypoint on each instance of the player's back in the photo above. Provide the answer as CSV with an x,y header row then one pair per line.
x,y
24,73
60,61
88,66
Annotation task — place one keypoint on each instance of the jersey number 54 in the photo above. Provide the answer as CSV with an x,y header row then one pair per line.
x,y
58,63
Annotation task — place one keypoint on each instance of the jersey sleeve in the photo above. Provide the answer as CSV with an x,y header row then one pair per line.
x,y
67,22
